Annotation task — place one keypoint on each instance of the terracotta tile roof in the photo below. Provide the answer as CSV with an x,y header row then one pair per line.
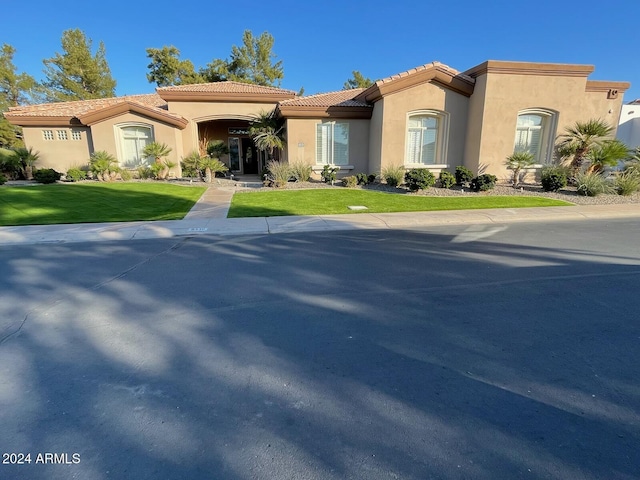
x,y
341,98
81,107
426,66
225,87
634,102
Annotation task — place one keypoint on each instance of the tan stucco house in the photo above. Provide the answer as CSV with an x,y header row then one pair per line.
x,y
431,116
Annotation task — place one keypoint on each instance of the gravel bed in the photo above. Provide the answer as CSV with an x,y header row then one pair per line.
x,y
568,194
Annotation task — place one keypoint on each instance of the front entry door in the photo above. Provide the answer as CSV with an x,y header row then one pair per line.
x,y
249,157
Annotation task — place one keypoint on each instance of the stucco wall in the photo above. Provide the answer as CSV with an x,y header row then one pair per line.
x,y
59,154
202,111
507,94
427,96
106,138
629,127
301,143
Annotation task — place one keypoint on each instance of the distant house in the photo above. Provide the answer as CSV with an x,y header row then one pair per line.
x,y
431,116
629,127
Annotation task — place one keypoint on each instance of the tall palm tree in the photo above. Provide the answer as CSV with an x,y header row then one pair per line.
x,y
608,154
578,140
267,133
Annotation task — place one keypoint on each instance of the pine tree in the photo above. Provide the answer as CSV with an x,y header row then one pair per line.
x,y
167,69
77,74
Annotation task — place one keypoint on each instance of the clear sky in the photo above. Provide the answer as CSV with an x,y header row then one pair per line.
x,y
321,42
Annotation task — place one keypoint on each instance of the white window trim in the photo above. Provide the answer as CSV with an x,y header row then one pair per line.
x,y
442,143
117,131
332,160
548,136
49,133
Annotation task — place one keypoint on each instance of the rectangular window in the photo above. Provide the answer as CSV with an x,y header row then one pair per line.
x,y
47,134
62,135
76,135
332,143
422,140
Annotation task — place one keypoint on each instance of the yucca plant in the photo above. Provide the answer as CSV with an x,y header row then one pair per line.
x,y
393,175
592,184
627,183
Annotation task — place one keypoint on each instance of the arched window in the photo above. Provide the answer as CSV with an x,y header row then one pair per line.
x,y
426,138
133,139
535,130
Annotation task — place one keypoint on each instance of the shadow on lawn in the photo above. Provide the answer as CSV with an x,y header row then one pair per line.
x,y
95,203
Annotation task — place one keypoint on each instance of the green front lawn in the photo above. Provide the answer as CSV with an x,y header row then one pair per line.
x,y
330,201
95,202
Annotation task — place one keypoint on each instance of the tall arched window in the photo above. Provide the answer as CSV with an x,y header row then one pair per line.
x,y
535,130
426,138
133,139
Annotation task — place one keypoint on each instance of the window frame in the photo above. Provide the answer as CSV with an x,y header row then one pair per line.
x,y
62,135
48,135
119,130
548,127
329,156
441,139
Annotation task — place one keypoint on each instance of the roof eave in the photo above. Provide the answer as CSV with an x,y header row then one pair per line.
x,y
235,97
355,113
530,68
100,115
40,120
606,86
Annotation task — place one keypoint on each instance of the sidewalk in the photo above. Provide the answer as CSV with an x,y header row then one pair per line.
x,y
208,217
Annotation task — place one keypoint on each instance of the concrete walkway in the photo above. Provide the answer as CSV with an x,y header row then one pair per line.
x,y
208,217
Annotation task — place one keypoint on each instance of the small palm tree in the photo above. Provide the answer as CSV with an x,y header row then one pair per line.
x,y
608,154
28,158
518,161
578,140
267,133
158,151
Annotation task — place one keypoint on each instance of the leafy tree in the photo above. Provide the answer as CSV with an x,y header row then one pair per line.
x,y
77,74
357,81
580,138
167,69
250,63
15,89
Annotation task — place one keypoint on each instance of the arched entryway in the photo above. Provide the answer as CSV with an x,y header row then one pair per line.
x,y
244,158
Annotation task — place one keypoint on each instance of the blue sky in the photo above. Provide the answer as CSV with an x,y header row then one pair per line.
x,y
321,42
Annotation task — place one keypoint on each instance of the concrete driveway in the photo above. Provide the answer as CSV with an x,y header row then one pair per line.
x,y
450,352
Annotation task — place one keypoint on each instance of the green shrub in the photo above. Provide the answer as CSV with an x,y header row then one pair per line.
x,y
46,175
75,174
627,183
10,163
393,175
279,173
329,174
371,178
3,179
362,178
592,184
126,175
484,182
144,172
463,175
300,171
350,181
447,179
419,179
554,178
103,165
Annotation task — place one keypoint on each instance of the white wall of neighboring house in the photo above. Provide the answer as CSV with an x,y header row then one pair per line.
x,y
629,126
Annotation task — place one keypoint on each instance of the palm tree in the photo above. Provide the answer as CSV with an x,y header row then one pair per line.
x,y
581,138
212,163
158,151
267,133
518,161
608,154
27,159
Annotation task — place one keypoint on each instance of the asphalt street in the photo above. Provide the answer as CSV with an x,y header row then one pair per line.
x,y
448,352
